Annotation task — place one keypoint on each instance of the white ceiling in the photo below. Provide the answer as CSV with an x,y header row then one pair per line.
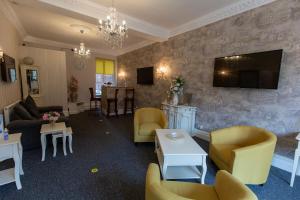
x,y
48,21
167,13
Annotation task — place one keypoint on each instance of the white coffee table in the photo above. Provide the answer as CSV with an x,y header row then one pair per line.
x,y
47,129
178,159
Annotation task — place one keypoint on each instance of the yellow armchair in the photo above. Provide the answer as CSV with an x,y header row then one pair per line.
x,y
146,120
244,151
226,188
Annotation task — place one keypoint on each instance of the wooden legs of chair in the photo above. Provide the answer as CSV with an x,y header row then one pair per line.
x,y
131,100
109,101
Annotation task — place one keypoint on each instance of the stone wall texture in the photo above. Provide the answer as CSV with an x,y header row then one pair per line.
x,y
192,54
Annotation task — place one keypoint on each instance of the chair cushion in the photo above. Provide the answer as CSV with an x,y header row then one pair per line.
x,y
148,128
191,190
22,113
31,106
224,152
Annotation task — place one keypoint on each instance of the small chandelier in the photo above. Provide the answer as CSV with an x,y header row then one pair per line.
x,y
113,33
82,52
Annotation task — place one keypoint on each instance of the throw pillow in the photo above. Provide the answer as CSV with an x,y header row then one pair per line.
x,y
31,106
22,112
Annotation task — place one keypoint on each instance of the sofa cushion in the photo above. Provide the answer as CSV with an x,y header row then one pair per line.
x,y
22,112
224,152
31,106
148,128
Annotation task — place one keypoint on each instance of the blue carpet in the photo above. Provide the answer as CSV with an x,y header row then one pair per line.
x,y
107,145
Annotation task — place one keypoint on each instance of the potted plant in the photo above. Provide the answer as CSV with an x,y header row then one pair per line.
x,y
176,89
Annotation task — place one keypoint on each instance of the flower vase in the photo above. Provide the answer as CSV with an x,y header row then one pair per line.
x,y
175,99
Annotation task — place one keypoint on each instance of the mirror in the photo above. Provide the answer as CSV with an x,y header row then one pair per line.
x,y
30,81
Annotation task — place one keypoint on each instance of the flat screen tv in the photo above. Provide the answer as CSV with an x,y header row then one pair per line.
x,y
256,70
8,69
145,76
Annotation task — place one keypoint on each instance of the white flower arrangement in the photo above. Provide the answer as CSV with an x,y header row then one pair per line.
x,y
177,85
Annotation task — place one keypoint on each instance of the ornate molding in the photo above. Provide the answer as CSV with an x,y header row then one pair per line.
x,y
9,12
223,13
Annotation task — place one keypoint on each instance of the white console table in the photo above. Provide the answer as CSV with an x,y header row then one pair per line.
x,y
296,161
12,148
180,116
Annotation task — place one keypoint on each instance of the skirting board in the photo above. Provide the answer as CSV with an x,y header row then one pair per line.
x,y
278,161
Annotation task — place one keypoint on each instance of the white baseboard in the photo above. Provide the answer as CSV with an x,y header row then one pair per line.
x,y
278,161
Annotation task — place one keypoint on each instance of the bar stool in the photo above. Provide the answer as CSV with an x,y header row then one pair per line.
x,y
94,98
112,97
69,134
129,97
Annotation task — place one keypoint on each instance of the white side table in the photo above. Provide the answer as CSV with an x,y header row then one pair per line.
x,y
296,161
56,128
69,134
12,148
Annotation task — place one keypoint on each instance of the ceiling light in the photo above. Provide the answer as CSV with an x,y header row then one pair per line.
x,y
113,33
82,51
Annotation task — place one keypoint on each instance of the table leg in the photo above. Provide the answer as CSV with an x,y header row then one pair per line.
x,y
43,141
17,166
54,143
295,165
70,143
164,171
204,169
64,143
20,148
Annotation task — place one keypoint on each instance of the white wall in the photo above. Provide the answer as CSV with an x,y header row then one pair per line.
x,y
53,74
9,41
86,77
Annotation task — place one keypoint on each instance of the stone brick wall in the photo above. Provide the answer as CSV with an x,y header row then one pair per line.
x,y
192,54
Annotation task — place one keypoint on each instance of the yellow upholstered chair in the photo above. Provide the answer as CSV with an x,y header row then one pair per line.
x,y
226,188
244,151
146,120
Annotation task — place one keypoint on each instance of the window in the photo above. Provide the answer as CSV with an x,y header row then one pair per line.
x,y
105,70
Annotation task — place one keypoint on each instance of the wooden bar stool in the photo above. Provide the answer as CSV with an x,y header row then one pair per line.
x,y
129,98
112,97
94,98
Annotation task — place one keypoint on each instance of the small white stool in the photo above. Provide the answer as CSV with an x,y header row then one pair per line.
x,y
68,134
296,161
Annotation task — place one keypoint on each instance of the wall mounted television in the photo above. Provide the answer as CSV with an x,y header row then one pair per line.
x,y
256,70
8,69
145,75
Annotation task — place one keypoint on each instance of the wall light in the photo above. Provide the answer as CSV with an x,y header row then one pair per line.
x,y
1,55
162,71
122,75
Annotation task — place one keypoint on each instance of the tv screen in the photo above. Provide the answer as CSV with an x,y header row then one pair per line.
x,y
145,76
255,70
8,69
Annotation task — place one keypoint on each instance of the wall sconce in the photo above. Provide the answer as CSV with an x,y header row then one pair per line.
x,y
122,76
162,71
1,55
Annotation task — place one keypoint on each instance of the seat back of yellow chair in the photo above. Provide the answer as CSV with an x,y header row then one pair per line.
x,y
149,115
230,188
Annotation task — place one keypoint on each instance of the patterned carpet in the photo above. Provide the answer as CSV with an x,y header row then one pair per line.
x,y
107,144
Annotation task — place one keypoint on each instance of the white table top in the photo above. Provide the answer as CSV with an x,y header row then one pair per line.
x,y
183,146
48,128
12,139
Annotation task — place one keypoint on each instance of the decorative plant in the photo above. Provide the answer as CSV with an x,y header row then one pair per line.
x,y
51,116
73,88
177,85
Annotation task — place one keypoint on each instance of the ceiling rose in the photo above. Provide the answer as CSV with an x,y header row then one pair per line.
x,y
112,32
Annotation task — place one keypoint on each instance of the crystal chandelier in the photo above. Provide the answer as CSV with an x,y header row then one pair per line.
x,y
82,52
112,32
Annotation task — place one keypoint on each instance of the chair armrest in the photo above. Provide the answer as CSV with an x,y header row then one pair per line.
x,y
50,108
163,121
17,125
136,124
254,159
